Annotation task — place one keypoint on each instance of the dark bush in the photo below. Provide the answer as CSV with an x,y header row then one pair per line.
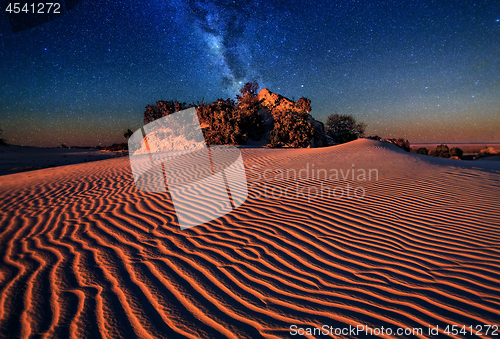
x,y
423,150
404,144
441,151
128,134
248,106
117,147
343,128
401,143
456,152
346,136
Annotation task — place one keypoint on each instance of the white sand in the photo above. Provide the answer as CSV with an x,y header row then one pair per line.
x,y
85,254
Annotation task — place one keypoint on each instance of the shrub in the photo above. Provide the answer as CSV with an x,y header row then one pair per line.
x,y
343,128
422,150
128,134
291,128
401,143
248,106
221,123
117,147
162,109
487,151
346,136
456,152
404,144
441,151
230,122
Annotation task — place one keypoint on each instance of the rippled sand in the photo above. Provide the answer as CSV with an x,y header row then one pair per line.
x,y
87,255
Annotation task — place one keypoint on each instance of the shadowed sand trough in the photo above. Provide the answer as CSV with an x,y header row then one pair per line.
x,y
87,255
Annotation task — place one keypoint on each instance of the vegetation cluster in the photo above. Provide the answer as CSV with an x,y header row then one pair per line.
x,y
343,128
234,122
442,151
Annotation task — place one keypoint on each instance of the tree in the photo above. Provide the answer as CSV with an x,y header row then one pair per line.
x,y
248,106
456,152
343,128
222,123
128,134
162,109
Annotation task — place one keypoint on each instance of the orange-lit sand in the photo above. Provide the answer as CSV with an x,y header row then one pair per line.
x,y
87,255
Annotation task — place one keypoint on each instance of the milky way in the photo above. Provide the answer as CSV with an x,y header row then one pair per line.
x,y
225,27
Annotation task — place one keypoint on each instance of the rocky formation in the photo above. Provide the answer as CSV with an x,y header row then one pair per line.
x,y
273,104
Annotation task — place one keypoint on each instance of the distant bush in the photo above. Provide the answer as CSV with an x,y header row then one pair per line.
x,y
86,147
3,142
422,150
441,151
64,146
117,147
345,136
128,134
456,152
374,137
404,144
401,143
344,128
488,151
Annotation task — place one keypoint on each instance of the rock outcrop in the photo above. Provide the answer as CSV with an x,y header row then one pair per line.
x,y
273,103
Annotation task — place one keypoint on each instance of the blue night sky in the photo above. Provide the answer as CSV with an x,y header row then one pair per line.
x,y
428,71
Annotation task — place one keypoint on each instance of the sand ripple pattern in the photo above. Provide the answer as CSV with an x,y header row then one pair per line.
x,y
86,255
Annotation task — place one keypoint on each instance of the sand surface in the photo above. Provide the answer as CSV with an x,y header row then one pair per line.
x,y
86,255
16,159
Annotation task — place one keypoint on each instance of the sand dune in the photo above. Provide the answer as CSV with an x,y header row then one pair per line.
x,y
87,255
16,159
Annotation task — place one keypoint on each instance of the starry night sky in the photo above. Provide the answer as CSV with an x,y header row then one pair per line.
x,y
428,71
